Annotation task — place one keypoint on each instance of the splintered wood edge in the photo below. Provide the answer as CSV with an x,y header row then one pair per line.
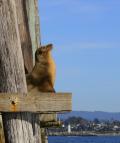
x,y
36,102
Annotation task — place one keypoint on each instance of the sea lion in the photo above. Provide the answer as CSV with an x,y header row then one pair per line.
x,y
42,77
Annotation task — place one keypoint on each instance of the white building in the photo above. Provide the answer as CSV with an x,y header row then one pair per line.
x,y
69,128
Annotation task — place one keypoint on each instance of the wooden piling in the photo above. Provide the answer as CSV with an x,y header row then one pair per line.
x,y
17,126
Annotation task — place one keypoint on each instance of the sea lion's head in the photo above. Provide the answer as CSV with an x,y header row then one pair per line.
x,y
42,53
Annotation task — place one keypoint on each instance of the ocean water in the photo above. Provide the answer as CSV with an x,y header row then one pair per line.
x,y
89,139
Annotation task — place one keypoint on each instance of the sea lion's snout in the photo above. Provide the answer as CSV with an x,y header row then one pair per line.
x,y
46,48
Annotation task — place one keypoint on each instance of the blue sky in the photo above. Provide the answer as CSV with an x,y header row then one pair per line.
x,y
86,38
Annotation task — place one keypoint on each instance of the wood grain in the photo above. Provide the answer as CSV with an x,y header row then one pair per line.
x,y
33,24
18,127
25,38
38,102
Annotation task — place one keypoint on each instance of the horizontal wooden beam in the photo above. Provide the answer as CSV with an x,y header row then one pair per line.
x,y
50,124
36,102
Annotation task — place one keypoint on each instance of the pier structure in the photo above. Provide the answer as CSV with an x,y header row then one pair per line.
x,y
21,111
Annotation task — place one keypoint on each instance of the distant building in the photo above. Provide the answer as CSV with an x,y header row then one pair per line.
x,y
115,128
69,128
63,125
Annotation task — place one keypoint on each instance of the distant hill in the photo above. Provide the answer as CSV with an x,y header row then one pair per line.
x,y
75,121
92,115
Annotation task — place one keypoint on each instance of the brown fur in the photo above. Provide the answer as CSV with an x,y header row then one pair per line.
x,y
42,77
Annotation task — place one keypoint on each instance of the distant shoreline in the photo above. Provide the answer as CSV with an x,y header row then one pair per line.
x,y
82,134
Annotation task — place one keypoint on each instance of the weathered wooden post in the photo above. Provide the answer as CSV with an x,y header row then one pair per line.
x,y
28,24
17,126
29,29
44,136
19,30
25,39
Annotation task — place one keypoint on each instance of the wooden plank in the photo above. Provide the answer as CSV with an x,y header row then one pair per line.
x,y
33,24
51,124
48,117
24,33
44,135
56,102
